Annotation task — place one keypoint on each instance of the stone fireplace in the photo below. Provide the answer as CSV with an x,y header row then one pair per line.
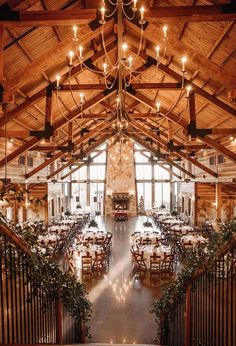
x,y
120,201
120,179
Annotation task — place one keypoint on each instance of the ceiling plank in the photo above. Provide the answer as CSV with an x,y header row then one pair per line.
x,y
212,143
59,123
50,58
152,150
178,48
178,153
45,18
201,13
32,99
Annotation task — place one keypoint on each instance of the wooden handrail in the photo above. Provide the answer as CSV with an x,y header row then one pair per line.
x,y
15,238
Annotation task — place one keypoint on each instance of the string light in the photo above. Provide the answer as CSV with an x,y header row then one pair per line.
x,y
142,20
71,55
165,28
184,60
80,52
75,29
103,10
188,90
58,81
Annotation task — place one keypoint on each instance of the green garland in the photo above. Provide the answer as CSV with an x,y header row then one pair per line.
x,y
56,284
202,257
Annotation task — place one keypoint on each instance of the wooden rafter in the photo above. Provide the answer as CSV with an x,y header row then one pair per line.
x,y
58,124
153,150
179,153
45,18
213,144
201,13
12,114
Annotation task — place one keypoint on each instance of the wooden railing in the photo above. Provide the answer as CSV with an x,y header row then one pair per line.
x,y
206,314
27,315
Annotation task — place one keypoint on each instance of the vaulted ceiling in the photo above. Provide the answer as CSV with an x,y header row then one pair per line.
x,y
36,37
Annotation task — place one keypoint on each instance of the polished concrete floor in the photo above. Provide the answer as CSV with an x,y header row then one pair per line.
x,y
122,302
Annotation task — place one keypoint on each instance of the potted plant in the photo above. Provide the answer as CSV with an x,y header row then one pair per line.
x,y
93,224
147,223
174,213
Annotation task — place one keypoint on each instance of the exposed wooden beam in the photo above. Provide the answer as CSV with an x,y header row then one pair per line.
x,y
181,122
58,124
91,134
203,13
157,86
45,18
180,153
153,150
32,99
75,87
50,58
1,52
178,48
90,149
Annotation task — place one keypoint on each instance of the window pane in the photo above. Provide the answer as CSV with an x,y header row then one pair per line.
x,y
97,172
143,172
162,194
161,173
100,159
80,174
79,195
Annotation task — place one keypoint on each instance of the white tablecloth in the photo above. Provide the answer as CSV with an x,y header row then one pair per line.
x,y
194,239
148,250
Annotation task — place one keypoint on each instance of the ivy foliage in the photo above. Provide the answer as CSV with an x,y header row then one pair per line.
x,y
201,258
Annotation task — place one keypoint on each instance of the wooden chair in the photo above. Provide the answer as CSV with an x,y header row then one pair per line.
x,y
167,265
87,265
99,240
155,263
146,241
139,262
187,245
99,263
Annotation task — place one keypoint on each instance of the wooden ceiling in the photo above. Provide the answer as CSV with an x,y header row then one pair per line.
x,y
36,36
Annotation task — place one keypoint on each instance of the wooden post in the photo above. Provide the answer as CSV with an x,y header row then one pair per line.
x,y
196,204
48,115
188,316
1,52
218,201
192,115
58,322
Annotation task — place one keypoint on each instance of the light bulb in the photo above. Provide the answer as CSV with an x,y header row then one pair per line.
x,y
142,12
130,59
58,81
104,68
134,5
165,28
81,97
75,29
184,60
158,107
71,55
80,52
103,10
188,90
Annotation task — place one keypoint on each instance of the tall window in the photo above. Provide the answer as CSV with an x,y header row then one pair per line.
x,y
152,179
88,182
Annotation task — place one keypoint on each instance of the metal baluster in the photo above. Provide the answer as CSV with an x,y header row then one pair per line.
x,y
2,339
7,291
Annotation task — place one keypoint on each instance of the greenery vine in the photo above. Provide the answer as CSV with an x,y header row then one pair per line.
x,y
202,257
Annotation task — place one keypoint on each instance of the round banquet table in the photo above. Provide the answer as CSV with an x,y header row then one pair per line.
x,y
194,239
148,250
82,250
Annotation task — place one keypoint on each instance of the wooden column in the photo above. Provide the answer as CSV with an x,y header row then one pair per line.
x,y
1,53
153,184
195,205
218,200
48,115
192,115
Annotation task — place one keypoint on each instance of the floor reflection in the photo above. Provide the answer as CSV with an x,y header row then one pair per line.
x,y
122,299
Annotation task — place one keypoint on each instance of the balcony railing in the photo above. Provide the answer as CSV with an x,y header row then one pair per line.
x,y
27,314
